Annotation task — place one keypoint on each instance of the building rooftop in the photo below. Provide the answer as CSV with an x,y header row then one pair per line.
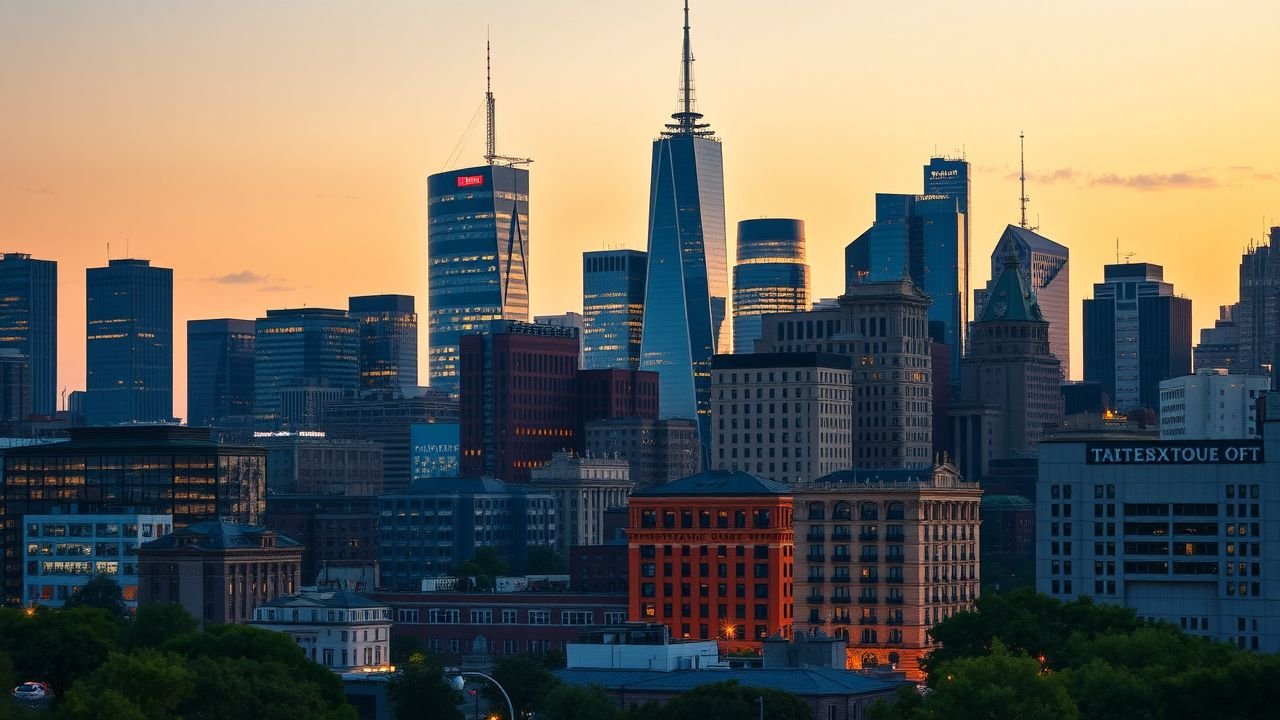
x,y
160,438
1034,240
883,476
217,535
799,681
345,599
717,483
1006,502
1009,298
756,361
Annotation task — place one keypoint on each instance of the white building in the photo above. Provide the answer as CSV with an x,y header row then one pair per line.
x,y
584,487
1211,405
1183,531
63,552
340,629
639,646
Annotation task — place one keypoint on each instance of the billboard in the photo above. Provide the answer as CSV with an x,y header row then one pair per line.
x,y
435,450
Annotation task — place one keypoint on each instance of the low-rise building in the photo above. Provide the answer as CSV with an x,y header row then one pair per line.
x,y
342,630
584,488
63,552
338,533
218,571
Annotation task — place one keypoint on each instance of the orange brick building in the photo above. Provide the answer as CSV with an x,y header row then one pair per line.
x,y
711,556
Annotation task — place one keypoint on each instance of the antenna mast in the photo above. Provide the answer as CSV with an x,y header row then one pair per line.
x,y
688,121
491,155
1022,175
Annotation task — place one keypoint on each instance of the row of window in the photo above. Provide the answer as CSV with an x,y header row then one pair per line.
x,y
507,616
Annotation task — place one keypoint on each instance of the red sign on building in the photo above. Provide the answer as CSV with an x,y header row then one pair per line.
x,y
470,180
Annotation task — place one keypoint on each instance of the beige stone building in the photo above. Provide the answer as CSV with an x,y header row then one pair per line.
x,y
584,488
783,416
881,556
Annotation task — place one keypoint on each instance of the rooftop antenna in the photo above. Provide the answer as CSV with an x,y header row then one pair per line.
x,y
1022,176
687,118
491,155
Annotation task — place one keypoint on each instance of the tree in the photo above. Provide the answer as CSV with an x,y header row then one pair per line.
x,y
577,702
542,560
420,691
1011,687
157,623
58,646
146,683
525,679
100,592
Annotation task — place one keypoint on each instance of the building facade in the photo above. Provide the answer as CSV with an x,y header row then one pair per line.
x,y
388,343
710,556
1219,345
1257,315
1181,531
617,393
1047,265
478,259
518,402
770,276
220,368
427,530
658,451
613,284
63,552
1136,333
687,291
338,534
783,416
1211,405
157,470
15,393
339,629
300,349
309,463
884,555
29,322
584,488
129,343
218,571
390,421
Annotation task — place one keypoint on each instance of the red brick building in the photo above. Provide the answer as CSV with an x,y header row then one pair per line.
x,y
711,555
617,393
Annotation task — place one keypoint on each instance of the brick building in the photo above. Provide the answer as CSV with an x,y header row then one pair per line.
x,y
337,533
710,556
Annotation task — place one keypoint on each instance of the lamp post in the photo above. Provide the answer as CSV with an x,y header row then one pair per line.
x,y
457,683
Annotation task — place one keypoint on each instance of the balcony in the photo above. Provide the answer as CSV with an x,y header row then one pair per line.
x,y
868,621
841,534
841,578
893,621
814,579
895,536
841,599
868,599
814,535
869,557
842,557
894,579
869,579
868,536
844,620
895,600
814,598
895,558
815,557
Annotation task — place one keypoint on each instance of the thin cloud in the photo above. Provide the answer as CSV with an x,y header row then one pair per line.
x,y
37,190
1156,181
243,277
1265,177
1059,175
275,289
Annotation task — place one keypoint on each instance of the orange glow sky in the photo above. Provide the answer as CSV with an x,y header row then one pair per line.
x,y
275,154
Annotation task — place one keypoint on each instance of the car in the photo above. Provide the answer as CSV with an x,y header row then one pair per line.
x,y
32,691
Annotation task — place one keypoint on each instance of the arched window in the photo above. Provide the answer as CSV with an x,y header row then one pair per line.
x,y
869,511
843,511
817,511
896,511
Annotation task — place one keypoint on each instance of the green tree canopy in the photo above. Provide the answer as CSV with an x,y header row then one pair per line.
x,y
100,592
726,701
420,691
525,679
543,560
57,646
577,702
157,623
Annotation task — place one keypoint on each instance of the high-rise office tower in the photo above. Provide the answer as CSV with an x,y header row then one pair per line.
x,y
923,238
477,252
303,349
612,308
771,275
1219,345
1257,315
220,358
29,322
1136,333
687,295
1047,265
388,342
129,343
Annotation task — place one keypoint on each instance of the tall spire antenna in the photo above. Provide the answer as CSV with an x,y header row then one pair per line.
x,y
491,155
1022,175
687,118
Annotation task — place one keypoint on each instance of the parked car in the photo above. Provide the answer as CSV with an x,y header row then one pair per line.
x,y
32,691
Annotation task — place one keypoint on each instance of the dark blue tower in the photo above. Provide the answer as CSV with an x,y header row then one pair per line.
x,y
770,277
686,298
29,322
129,343
612,308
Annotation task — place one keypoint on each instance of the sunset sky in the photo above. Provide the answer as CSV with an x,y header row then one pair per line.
x,y
275,154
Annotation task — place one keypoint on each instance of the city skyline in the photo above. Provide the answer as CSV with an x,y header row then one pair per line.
x,y
223,159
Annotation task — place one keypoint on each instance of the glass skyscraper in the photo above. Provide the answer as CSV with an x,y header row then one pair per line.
x,y
29,322
771,275
129,343
612,308
220,357
388,342
920,237
686,298
478,257
303,349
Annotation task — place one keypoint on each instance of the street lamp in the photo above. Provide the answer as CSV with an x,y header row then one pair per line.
x,y
457,683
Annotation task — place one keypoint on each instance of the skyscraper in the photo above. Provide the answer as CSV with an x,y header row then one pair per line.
x,y
1047,265
1136,333
220,358
29,322
1257,315
129,343
612,308
477,252
771,275
687,291
923,238
303,349
388,342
